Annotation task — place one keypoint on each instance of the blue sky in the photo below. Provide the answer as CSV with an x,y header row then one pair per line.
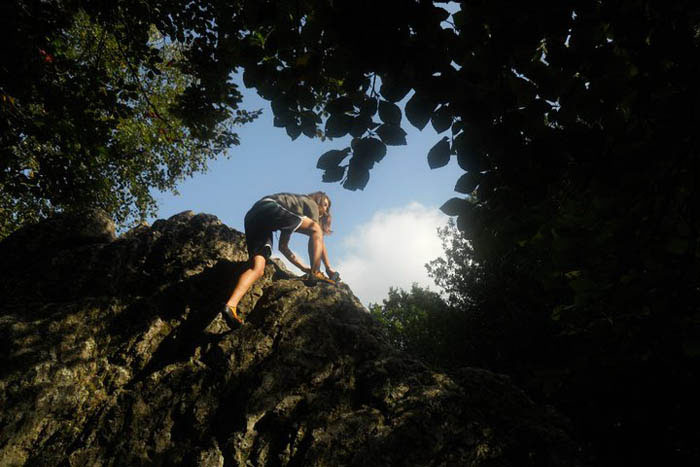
x,y
382,235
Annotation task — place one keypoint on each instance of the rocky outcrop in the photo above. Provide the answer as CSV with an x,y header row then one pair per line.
x,y
113,353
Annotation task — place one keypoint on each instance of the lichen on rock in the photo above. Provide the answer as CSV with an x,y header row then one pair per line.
x,y
114,353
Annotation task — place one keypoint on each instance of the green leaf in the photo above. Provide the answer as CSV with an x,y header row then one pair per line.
x,y
389,113
332,158
467,183
442,118
454,206
393,135
419,110
439,155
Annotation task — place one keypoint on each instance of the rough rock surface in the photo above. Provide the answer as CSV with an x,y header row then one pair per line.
x,y
112,352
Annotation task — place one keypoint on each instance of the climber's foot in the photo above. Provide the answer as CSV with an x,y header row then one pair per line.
x,y
231,317
318,276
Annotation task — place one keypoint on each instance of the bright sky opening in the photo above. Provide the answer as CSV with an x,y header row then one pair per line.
x,y
383,235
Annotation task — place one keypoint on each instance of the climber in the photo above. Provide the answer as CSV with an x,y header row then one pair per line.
x,y
287,212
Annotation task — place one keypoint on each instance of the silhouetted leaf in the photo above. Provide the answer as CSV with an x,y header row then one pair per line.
x,y
440,14
485,186
393,91
442,119
419,110
392,135
279,122
439,155
340,105
280,106
368,107
306,98
459,19
467,183
470,161
293,130
454,206
333,174
308,124
466,220
332,158
468,151
251,75
359,126
389,113
363,161
371,148
357,178
338,125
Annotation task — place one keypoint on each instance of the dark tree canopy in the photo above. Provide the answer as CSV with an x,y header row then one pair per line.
x,y
575,125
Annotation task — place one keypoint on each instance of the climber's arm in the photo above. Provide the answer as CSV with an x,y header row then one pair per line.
x,y
284,248
324,257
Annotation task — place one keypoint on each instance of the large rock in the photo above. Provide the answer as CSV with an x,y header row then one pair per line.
x,y
113,353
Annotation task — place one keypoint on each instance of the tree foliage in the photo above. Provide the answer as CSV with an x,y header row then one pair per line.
x,y
98,109
419,321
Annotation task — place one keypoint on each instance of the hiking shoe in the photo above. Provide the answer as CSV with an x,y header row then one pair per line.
x,y
318,277
231,317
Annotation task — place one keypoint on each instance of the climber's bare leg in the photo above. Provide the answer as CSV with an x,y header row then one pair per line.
x,y
324,257
256,268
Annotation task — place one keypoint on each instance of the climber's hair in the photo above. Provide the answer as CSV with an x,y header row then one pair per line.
x,y
325,220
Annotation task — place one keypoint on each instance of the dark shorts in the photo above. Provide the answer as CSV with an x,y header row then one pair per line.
x,y
263,218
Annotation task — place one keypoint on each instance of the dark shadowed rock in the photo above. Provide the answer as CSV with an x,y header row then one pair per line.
x,y
113,353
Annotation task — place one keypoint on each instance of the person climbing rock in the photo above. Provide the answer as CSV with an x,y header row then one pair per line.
x,y
288,213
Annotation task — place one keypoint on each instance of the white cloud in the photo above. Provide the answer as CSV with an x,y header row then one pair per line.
x,y
391,251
